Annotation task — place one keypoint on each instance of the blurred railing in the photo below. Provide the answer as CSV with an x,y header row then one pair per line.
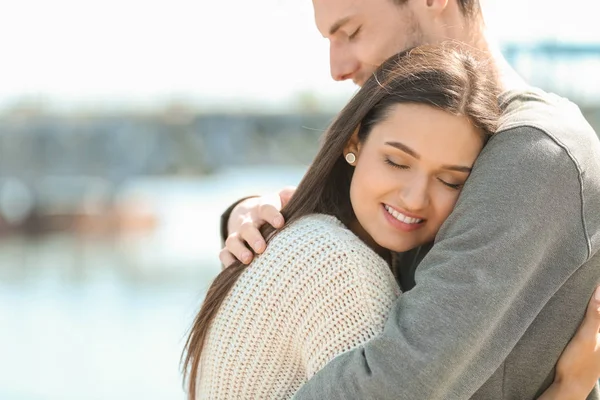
x,y
70,172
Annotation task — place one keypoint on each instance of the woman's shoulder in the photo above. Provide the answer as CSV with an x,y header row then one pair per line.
x,y
321,232
315,224
321,242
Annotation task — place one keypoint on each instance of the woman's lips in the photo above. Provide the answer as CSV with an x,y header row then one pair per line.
x,y
401,221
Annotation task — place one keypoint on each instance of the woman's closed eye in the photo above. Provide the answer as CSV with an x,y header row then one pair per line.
x,y
451,185
394,165
455,186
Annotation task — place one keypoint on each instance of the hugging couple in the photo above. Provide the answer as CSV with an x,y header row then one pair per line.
x,y
443,244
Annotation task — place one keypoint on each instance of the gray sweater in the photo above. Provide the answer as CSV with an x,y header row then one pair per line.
x,y
506,283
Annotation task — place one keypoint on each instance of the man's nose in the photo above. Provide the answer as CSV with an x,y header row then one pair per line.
x,y
343,64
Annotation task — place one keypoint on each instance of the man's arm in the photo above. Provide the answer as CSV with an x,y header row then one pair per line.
x,y
515,236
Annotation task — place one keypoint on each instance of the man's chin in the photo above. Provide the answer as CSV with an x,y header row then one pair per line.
x,y
359,82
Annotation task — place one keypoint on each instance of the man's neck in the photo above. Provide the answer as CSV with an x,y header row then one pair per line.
x,y
507,78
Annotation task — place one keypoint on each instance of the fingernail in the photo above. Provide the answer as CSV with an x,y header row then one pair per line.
x,y
278,221
597,294
258,245
246,256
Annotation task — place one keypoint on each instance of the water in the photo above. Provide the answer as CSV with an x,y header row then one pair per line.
x,y
85,318
95,340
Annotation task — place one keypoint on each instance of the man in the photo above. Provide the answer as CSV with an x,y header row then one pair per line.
x,y
490,308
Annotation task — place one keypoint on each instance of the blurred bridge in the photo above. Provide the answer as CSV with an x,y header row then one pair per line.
x,y
569,69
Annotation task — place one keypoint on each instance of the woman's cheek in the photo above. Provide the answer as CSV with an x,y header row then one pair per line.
x,y
446,202
359,189
380,180
373,179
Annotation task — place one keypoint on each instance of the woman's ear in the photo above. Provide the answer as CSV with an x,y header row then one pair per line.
x,y
352,147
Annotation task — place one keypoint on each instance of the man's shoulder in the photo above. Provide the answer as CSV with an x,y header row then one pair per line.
x,y
556,117
550,128
548,133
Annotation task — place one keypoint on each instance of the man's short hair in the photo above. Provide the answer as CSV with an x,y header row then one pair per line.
x,y
470,8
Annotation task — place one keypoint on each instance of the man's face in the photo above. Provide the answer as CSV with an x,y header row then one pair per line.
x,y
364,33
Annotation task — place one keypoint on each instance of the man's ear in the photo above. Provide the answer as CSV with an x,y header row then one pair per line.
x,y
428,8
353,146
437,5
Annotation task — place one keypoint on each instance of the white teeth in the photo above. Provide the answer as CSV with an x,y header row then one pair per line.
x,y
401,217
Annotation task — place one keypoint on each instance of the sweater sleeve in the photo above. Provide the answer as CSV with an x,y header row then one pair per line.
x,y
516,235
344,309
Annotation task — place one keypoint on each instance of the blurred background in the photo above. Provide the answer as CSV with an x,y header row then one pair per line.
x,y
127,127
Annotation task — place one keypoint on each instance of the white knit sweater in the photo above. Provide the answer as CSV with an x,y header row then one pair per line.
x,y
317,291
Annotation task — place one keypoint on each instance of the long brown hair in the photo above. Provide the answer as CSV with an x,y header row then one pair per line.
x,y
446,77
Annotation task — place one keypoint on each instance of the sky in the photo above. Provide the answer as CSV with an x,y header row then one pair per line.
x,y
143,53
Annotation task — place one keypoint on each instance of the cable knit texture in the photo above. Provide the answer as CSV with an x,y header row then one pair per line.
x,y
317,291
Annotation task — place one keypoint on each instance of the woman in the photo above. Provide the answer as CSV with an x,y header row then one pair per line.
x,y
388,174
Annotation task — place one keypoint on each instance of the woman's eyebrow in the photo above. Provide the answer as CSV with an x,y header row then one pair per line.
x,y
458,168
404,148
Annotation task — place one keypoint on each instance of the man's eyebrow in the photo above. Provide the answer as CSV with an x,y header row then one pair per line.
x,y
339,23
411,152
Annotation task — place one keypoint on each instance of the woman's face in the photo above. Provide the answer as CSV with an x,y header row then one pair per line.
x,y
409,173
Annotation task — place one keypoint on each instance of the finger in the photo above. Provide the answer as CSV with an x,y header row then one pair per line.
x,y
226,258
594,308
250,234
286,194
271,214
238,248
591,323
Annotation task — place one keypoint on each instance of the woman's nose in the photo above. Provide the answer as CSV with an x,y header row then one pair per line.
x,y
415,195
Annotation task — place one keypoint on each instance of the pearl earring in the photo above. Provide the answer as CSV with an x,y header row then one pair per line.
x,y
350,158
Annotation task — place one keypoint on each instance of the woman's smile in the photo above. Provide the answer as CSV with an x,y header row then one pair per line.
x,y
402,220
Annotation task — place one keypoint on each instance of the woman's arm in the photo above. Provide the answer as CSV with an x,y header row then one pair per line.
x,y
558,391
578,368
346,307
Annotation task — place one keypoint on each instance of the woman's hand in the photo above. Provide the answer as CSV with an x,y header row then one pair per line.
x,y
578,368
